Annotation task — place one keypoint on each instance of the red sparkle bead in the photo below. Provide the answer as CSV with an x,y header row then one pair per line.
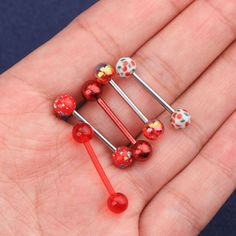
x,y
82,132
117,203
153,129
64,105
141,150
104,73
122,157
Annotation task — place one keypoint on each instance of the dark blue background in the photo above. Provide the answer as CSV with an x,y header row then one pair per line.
x,y
26,24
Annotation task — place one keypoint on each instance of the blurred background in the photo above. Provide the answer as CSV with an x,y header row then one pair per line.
x,y
27,24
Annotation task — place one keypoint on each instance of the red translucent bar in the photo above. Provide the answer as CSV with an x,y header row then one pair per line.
x,y
116,120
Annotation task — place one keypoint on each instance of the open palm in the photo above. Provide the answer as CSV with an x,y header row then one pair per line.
x,y
47,181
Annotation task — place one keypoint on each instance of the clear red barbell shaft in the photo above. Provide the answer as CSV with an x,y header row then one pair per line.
x,y
99,168
82,133
116,120
92,91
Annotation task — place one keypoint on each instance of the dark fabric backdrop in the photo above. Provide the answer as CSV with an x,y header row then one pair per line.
x,y
26,24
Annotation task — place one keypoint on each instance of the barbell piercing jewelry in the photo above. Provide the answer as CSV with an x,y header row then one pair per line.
x,y
152,129
141,149
92,91
126,67
64,106
83,133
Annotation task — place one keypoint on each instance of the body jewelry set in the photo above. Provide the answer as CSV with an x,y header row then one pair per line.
x,y
122,156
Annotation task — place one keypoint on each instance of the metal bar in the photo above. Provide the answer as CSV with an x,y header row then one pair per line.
x,y
128,101
154,94
100,136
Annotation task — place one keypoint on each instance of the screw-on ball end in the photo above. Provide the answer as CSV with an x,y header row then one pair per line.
x,y
125,67
180,119
117,203
64,105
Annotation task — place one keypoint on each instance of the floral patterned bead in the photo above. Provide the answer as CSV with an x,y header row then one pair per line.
x,y
180,119
125,67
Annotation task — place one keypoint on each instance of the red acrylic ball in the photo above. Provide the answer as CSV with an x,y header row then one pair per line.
x,y
153,129
122,157
91,90
141,150
82,132
117,203
64,105
104,73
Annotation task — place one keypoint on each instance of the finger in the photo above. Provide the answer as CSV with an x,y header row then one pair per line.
x,y
170,66
190,200
98,34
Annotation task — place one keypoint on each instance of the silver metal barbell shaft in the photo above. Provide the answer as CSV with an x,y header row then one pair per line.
x,y
100,136
154,94
128,100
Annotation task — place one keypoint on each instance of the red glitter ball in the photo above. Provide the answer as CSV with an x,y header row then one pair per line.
x,y
117,203
91,90
82,132
122,157
104,73
141,150
153,129
64,105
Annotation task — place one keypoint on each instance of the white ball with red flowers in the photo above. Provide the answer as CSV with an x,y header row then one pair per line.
x,y
125,67
180,119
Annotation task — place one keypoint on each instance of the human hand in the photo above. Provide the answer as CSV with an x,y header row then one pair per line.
x,y
48,184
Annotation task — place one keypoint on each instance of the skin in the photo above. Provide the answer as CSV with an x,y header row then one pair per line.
x,y
186,50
